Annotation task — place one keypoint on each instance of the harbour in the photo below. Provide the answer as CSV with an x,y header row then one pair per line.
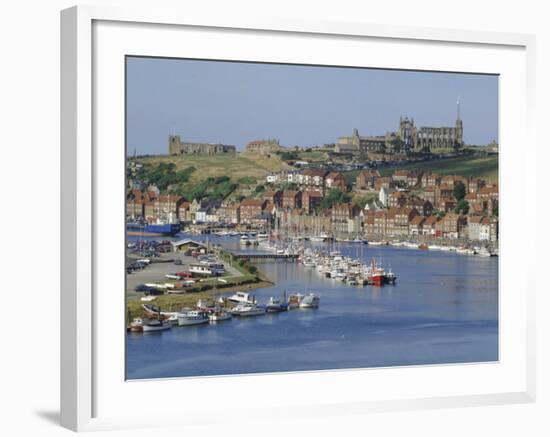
x,y
443,308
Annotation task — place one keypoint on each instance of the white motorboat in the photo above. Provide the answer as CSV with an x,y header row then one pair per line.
x,y
242,297
294,300
310,300
247,310
483,251
192,317
154,325
219,315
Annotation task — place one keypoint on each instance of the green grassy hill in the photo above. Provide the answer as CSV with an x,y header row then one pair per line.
x,y
234,166
484,167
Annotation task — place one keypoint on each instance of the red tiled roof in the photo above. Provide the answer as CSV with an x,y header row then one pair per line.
x,y
252,202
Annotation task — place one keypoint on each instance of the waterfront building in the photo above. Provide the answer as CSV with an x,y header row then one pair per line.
x,y
488,229
183,211
380,222
398,220
429,225
135,204
311,200
340,214
416,225
451,225
251,208
177,147
291,199
187,244
474,227
229,213
193,208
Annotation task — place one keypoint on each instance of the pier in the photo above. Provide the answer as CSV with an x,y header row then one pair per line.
x,y
265,256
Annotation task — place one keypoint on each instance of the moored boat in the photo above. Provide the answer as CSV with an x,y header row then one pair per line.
x,y
276,305
154,325
242,297
310,300
219,314
193,317
294,300
247,310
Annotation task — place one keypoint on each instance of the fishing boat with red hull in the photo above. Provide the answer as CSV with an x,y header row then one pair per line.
x,y
377,275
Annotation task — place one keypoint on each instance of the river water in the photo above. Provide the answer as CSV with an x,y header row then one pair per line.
x,y
443,309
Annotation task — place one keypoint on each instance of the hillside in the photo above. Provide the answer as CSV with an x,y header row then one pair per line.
x,y
236,166
484,167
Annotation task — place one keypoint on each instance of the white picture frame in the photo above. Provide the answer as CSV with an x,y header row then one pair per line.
x,y
92,391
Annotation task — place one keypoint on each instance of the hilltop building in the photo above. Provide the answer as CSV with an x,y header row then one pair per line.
x,y
264,147
177,147
407,138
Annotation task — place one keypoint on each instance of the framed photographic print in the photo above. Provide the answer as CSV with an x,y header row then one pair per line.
x,y
316,216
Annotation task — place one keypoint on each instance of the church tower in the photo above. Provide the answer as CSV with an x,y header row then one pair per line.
x,y
459,130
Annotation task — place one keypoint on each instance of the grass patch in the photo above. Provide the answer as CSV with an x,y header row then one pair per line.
x,y
236,166
484,167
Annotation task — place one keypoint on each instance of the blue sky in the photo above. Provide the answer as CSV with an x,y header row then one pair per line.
x,y
234,103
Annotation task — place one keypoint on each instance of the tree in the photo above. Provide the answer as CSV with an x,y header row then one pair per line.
x,y
259,189
459,191
495,210
462,207
334,196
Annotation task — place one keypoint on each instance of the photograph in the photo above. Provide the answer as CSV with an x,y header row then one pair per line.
x,y
300,218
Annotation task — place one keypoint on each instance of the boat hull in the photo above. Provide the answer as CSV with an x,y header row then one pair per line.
x,y
168,229
192,322
147,328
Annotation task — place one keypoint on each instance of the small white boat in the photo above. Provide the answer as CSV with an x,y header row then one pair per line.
x,y
242,297
247,309
219,315
483,251
148,298
154,325
137,324
310,300
193,317
294,300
